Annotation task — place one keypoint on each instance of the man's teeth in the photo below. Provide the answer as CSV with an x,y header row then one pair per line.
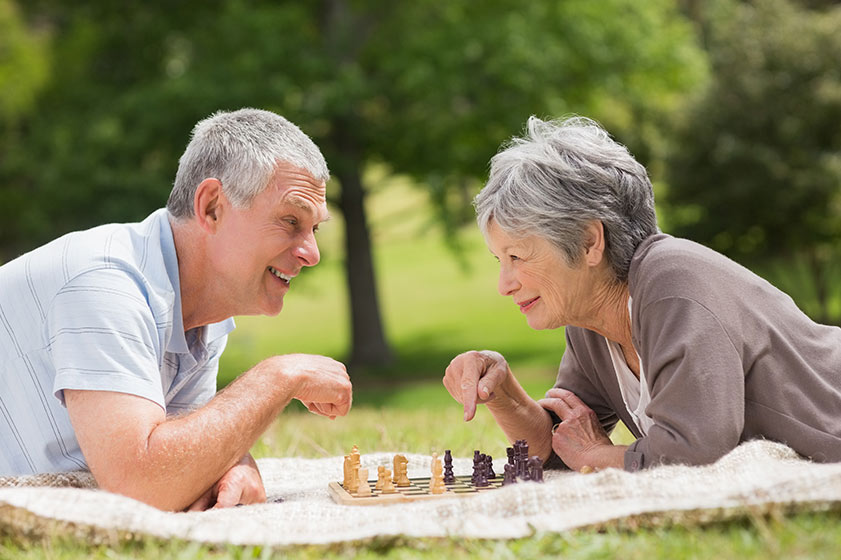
x,y
280,275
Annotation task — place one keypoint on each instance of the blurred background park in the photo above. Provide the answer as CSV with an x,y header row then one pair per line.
x,y
734,107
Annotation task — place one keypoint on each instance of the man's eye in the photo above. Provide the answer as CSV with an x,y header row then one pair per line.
x,y
514,258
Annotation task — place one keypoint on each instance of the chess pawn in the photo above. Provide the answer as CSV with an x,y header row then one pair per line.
x,y
380,478
364,488
536,469
388,485
510,477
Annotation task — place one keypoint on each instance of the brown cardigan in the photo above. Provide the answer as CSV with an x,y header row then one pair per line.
x,y
727,358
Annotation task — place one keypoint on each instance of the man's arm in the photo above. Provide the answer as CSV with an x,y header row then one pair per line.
x,y
133,449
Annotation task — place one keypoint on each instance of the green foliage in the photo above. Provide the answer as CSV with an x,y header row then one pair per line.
x,y
23,63
756,169
431,89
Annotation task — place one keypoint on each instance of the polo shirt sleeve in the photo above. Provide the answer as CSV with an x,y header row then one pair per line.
x,y
103,336
696,381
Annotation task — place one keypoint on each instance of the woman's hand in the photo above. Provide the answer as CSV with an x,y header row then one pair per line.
x,y
472,377
579,440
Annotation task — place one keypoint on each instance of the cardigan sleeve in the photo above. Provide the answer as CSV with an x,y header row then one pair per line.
x,y
696,381
573,376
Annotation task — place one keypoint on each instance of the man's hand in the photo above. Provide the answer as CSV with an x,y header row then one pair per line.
x,y
472,377
321,383
242,484
579,440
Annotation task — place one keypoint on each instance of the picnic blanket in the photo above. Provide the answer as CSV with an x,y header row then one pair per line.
x,y
755,478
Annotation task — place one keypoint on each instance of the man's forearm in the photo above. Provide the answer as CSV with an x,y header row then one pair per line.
x,y
132,449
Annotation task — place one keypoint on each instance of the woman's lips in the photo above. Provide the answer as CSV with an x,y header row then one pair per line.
x,y
528,304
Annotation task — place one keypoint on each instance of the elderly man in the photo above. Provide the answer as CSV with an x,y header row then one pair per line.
x,y
110,338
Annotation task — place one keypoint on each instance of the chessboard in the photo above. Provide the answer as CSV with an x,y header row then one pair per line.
x,y
417,490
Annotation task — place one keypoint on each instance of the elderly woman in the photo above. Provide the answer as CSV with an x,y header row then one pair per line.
x,y
691,351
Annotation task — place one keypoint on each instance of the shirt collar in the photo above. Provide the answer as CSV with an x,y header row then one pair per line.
x,y
178,339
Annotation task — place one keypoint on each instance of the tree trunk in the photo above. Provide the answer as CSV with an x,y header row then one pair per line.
x,y
368,343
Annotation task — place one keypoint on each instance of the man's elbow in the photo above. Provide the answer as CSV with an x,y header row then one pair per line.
x,y
152,488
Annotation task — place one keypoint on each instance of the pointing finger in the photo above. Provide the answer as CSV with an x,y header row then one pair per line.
x,y
469,382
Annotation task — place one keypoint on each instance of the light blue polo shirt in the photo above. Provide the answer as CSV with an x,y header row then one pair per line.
x,y
97,310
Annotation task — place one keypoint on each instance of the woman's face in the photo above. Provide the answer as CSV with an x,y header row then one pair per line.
x,y
536,275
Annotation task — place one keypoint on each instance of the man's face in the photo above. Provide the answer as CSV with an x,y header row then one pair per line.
x,y
258,250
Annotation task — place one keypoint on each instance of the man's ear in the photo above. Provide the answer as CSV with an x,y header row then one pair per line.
x,y
594,243
208,203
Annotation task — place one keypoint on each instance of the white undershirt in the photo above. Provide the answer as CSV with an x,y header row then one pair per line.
x,y
634,391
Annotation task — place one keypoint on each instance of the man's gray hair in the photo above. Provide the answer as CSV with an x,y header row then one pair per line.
x,y
242,150
559,177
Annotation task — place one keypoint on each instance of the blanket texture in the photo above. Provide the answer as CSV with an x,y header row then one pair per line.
x,y
757,477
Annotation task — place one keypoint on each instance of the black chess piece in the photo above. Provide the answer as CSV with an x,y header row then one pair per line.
x,y
536,469
489,467
509,477
449,478
477,466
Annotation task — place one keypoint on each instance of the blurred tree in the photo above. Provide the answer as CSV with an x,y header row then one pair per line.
x,y
756,169
427,88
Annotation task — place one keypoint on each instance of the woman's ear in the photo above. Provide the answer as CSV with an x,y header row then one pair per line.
x,y
594,243
207,204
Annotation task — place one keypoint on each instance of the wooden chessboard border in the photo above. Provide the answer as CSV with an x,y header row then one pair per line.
x,y
462,488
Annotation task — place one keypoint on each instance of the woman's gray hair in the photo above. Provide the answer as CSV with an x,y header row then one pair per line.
x,y
559,177
242,150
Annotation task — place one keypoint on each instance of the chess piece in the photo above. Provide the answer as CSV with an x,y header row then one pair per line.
x,y
353,478
489,467
536,469
510,452
401,478
510,476
346,469
388,485
436,483
478,467
449,477
354,456
380,478
364,489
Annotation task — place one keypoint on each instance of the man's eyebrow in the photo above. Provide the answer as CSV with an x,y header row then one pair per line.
x,y
308,208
